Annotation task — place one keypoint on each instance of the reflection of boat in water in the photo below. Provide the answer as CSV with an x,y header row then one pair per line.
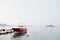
x,y
17,34
50,26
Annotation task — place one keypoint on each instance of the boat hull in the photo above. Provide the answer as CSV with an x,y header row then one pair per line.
x,y
20,30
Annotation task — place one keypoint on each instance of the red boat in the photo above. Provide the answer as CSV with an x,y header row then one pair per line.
x,y
5,29
20,30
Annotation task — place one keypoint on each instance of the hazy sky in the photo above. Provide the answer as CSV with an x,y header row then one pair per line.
x,y
30,12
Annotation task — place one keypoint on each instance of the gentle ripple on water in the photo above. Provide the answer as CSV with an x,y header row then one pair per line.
x,y
38,33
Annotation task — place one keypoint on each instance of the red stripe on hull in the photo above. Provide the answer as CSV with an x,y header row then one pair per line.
x,y
21,30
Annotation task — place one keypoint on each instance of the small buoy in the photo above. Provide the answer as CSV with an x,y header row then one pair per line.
x,y
27,35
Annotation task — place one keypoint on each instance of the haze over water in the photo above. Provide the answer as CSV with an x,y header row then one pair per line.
x,y
37,13
30,12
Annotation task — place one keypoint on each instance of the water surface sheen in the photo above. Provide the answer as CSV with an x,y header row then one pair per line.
x,y
36,33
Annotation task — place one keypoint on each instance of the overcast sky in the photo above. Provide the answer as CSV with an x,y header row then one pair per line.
x,y
30,12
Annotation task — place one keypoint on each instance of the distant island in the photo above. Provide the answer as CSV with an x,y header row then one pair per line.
x,y
3,25
49,26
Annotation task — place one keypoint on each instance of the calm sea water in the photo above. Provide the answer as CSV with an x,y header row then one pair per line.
x,y
36,33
